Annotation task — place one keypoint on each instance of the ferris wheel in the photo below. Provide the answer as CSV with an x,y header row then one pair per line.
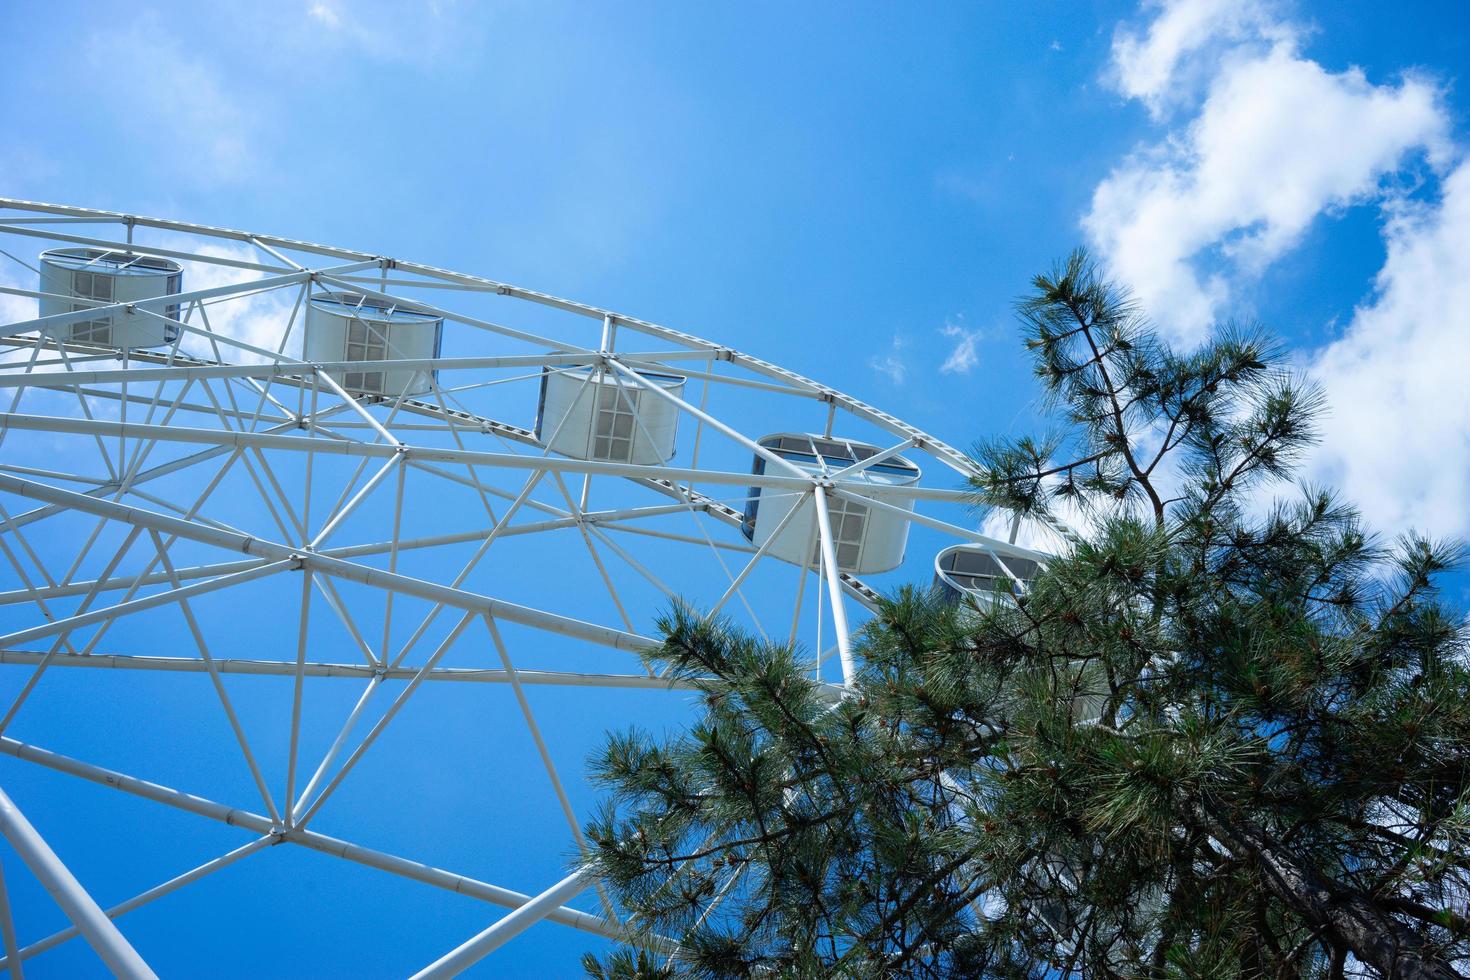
x,y
281,495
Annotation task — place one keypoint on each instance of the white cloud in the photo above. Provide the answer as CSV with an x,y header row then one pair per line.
x,y
258,319
890,361
1277,141
187,108
1397,441
1272,141
1149,67
964,355
14,309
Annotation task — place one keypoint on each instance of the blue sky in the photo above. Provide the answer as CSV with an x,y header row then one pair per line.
x,y
857,192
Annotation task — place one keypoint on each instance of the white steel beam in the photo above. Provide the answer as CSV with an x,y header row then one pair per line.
x,y
289,369
13,959
374,577
282,668
79,907
259,824
236,439
834,586
461,958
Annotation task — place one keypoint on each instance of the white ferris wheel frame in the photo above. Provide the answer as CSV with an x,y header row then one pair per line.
x,y
329,421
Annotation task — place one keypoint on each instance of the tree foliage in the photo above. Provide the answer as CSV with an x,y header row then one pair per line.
x,y
1216,736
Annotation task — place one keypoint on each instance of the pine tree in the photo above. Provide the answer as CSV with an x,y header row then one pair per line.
x,y
1215,737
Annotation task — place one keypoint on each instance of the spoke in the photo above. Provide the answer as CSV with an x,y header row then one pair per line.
x,y
464,573
393,559
687,496
556,785
343,511
283,668
383,722
264,389
335,603
356,405
321,770
303,622
256,823
461,958
633,563
31,591
834,587
219,685
459,443
811,543
61,640
87,413
68,893
162,470
79,620
759,554
12,961
592,551
15,706
375,577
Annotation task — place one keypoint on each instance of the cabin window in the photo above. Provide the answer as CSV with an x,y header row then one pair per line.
x,y
612,437
93,286
849,523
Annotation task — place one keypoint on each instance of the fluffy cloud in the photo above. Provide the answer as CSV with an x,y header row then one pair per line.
x,y
1276,141
258,319
1267,140
965,354
1397,440
1149,66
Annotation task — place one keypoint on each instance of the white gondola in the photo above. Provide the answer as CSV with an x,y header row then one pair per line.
x,y
344,326
965,569
85,278
866,540
593,413
968,570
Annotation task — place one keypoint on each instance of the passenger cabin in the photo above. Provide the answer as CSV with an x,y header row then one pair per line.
x,y
866,539
85,278
964,569
971,570
344,326
597,414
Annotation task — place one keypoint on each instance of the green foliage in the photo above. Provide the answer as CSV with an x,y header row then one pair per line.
x,y
1215,738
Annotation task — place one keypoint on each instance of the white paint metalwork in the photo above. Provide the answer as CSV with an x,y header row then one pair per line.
x,y
382,453
89,919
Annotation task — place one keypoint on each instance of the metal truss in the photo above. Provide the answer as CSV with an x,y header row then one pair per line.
x,y
387,532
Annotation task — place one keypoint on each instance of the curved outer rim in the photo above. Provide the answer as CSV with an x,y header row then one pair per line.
x,y
922,440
